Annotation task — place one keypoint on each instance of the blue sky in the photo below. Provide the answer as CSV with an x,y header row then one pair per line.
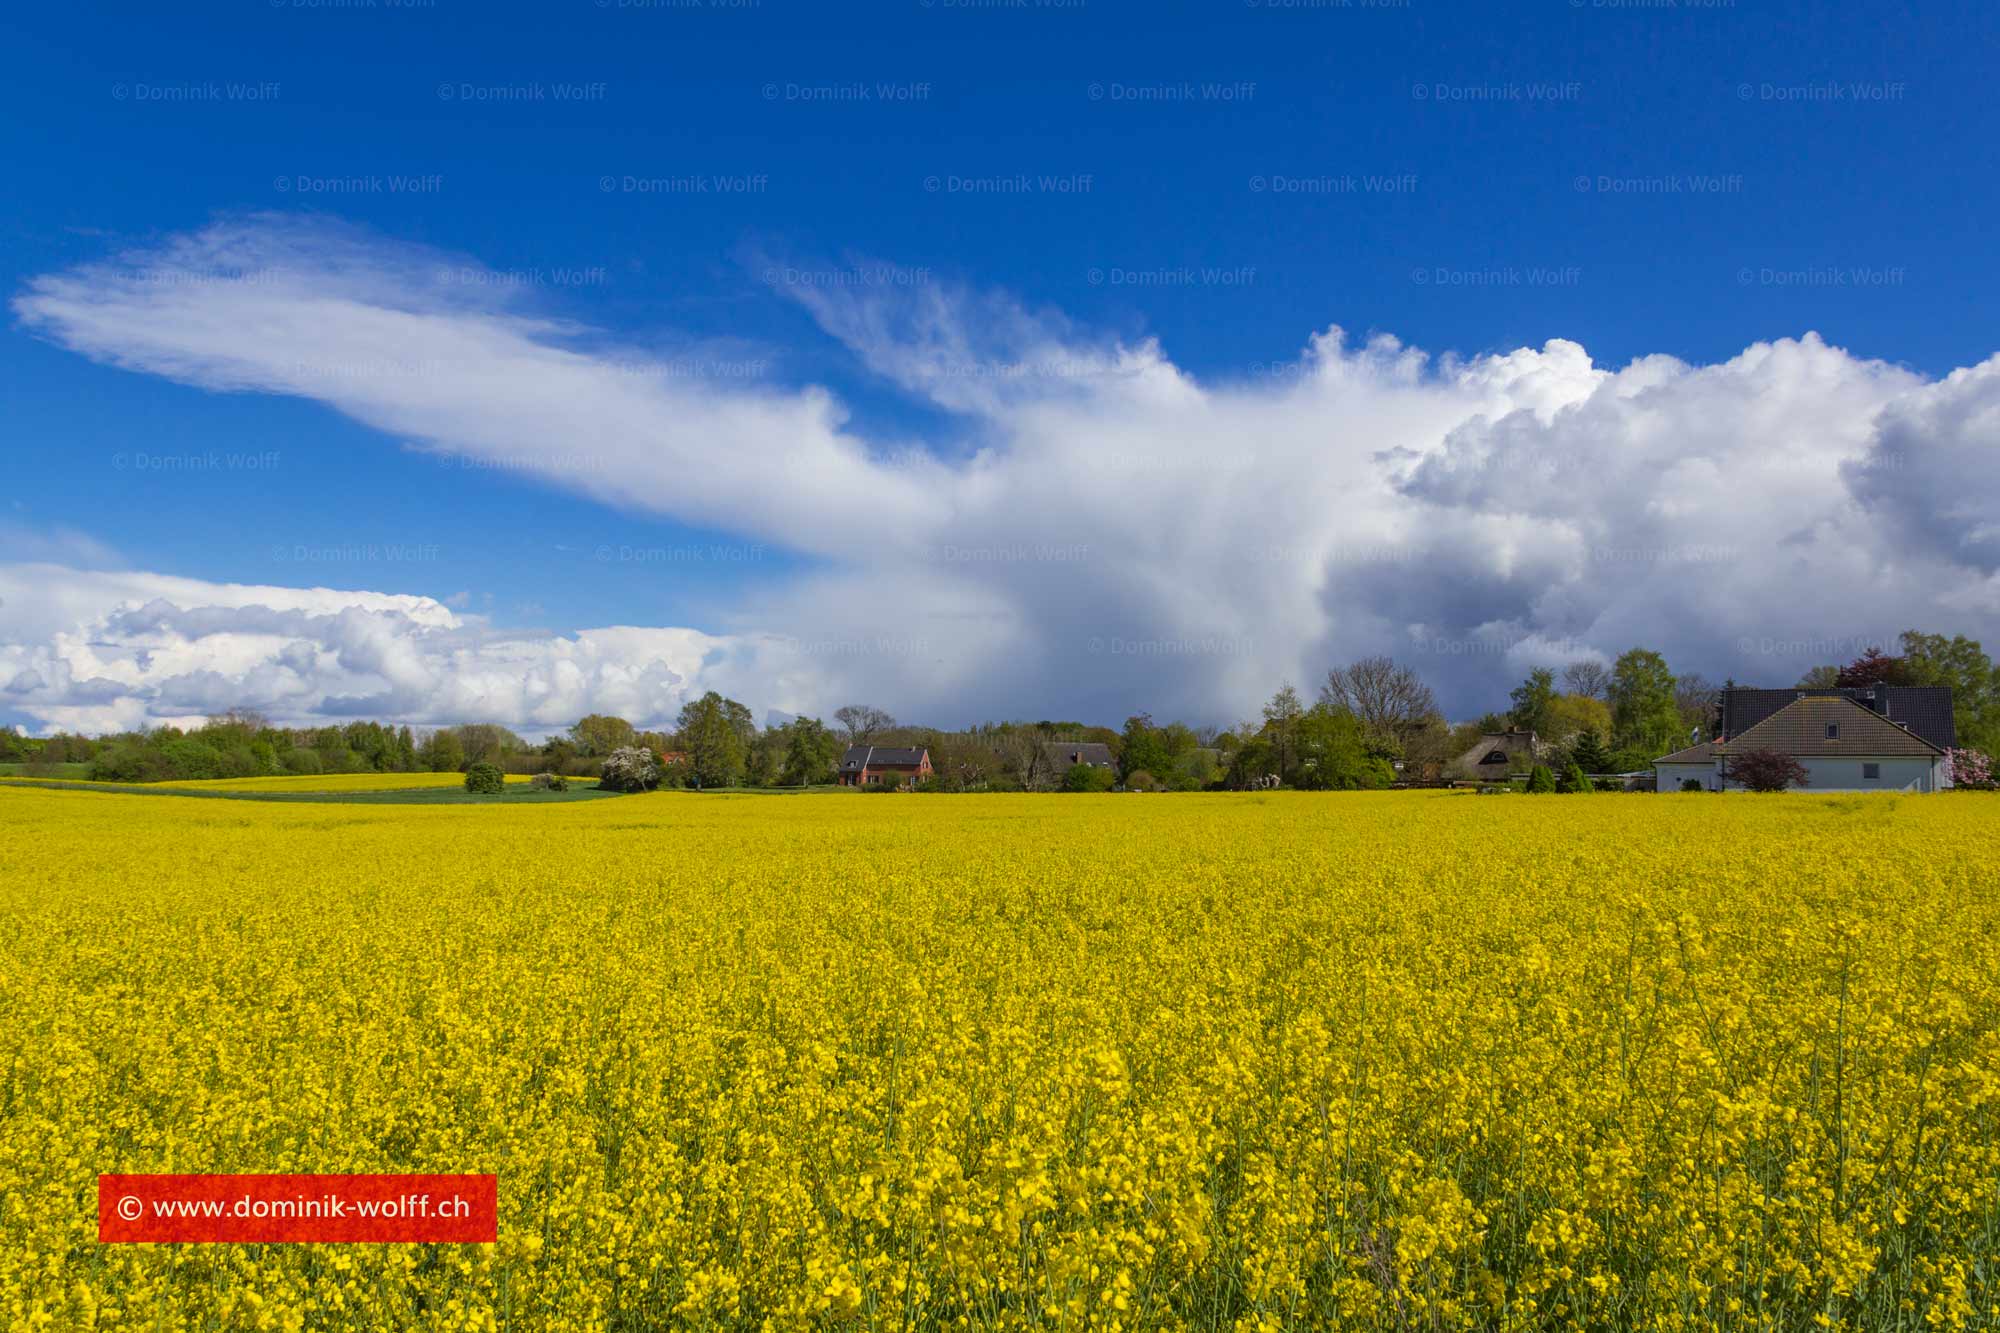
x,y
772,199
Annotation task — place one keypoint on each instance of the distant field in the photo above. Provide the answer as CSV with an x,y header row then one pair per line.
x,y
337,782
54,770
1383,1062
338,788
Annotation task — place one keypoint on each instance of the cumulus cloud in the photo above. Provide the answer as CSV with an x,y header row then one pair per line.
x,y
1118,535
113,650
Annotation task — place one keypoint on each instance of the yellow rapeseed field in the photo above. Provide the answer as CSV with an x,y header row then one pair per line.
x,y
1367,1061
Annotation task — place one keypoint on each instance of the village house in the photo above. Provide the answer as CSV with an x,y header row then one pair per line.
x,y
1842,742
1062,756
1493,759
876,765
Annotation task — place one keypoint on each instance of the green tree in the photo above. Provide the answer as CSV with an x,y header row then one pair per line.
x,y
810,752
1644,715
599,734
485,742
1541,782
1959,662
1572,714
1281,724
1588,753
1534,699
1574,780
713,740
1333,752
441,752
1250,760
1143,748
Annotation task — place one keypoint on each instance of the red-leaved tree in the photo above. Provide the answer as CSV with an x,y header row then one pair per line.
x,y
1766,770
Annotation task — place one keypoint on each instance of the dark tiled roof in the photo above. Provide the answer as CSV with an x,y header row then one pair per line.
x,y
1924,709
882,756
1799,728
1067,754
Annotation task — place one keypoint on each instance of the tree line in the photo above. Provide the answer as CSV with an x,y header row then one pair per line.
x,y
1371,723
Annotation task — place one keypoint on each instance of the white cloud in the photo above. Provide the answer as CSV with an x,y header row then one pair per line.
x,y
1120,536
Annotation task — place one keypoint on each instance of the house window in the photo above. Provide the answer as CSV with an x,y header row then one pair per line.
x,y
1833,731
1871,772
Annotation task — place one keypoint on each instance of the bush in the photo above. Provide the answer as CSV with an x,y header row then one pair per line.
x,y
1574,780
1142,781
549,782
131,761
1971,770
193,760
1767,770
1541,782
1692,784
304,762
485,780
886,784
630,768
1088,777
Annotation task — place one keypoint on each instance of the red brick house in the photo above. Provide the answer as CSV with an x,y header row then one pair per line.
x,y
874,765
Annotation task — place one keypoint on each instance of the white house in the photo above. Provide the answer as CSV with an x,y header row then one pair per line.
x,y
1842,746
